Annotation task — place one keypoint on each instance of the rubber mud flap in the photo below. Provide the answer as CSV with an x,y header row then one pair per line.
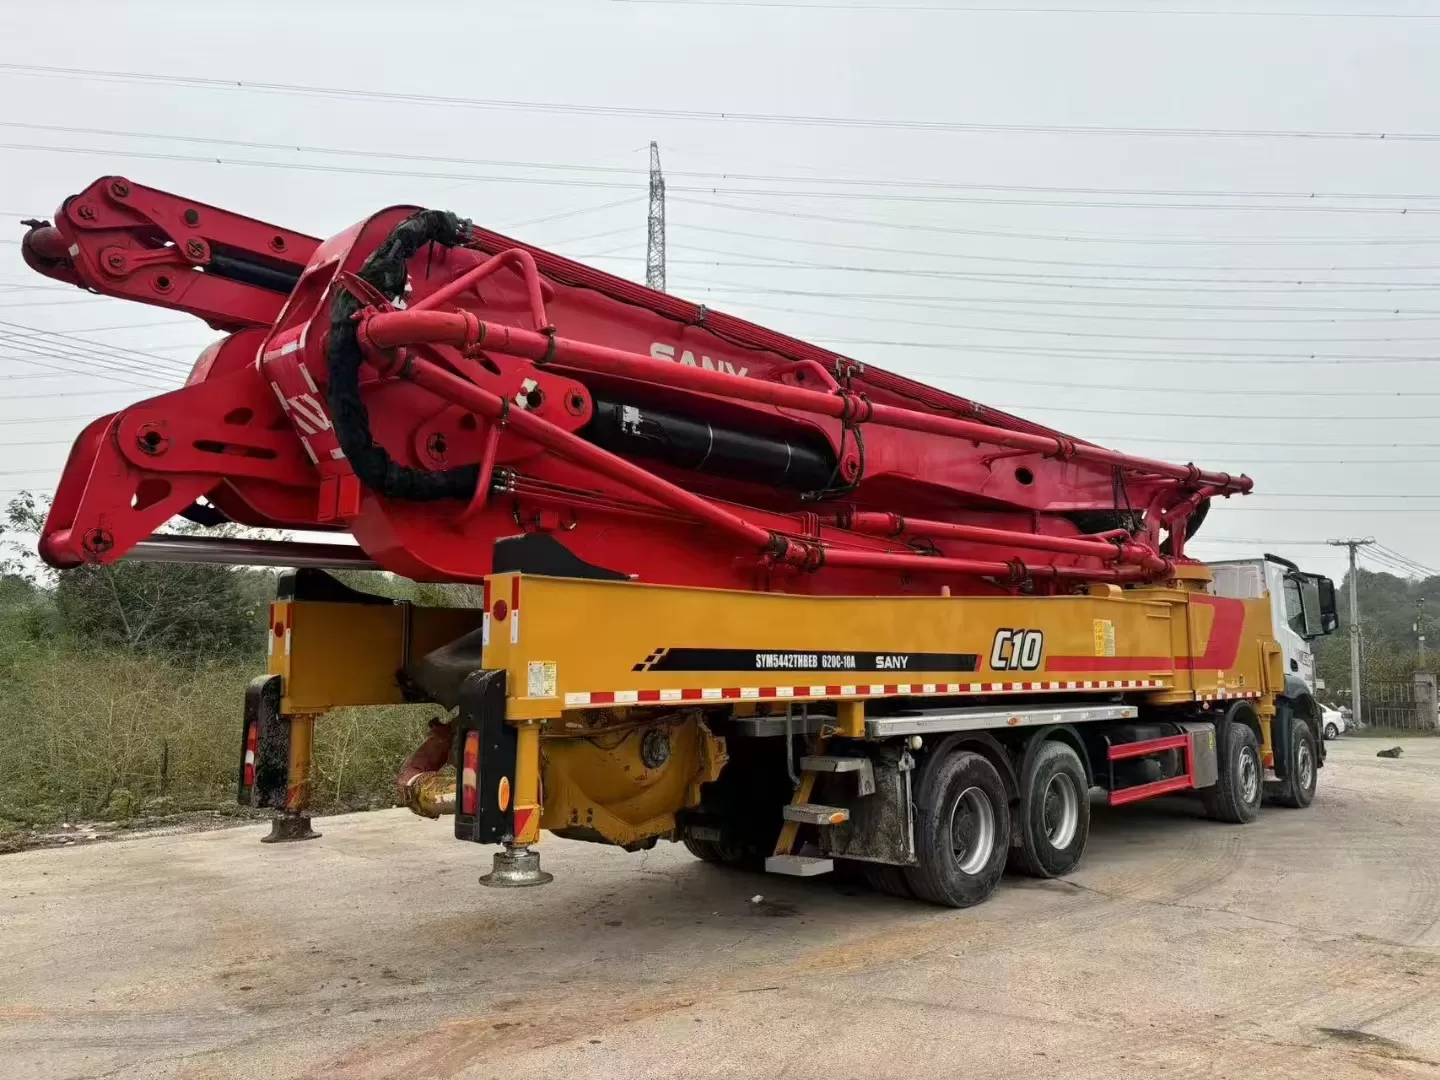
x,y
264,747
481,725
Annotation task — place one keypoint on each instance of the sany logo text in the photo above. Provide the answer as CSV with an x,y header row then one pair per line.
x,y
660,351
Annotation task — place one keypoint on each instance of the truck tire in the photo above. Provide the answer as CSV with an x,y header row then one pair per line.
x,y
1053,818
705,850
962,831
1299,789
889,880
1235,797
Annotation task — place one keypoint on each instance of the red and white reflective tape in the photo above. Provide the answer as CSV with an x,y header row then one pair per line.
x,y
515,610
834,690
1229,695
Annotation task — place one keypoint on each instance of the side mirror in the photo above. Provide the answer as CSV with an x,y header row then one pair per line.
x,y
1329,613
1317,601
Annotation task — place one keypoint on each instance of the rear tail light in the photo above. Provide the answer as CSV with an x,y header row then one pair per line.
x,y
469,773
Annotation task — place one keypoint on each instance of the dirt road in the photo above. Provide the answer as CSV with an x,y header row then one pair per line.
x,y
1305,946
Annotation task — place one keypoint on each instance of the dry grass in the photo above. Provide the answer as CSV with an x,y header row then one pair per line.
x,y
89,733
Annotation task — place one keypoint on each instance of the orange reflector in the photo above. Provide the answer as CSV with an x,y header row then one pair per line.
x,y
470,767
836,819
504,794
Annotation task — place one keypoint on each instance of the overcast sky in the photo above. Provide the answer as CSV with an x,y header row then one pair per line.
x,y
941,202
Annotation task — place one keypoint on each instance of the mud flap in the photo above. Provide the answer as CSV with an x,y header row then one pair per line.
x,y
264,747
485,761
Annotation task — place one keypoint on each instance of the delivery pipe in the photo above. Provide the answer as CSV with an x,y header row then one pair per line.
x,y
387,330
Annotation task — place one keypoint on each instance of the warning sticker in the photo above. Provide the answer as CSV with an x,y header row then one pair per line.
x,y
1104,637
540,680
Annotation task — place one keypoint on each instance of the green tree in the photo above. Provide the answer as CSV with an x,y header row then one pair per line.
x,y
183,610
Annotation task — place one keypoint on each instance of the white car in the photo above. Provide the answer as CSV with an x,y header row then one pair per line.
x,y
1332,721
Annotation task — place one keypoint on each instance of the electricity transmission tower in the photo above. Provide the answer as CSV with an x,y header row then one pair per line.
x,y
1354,545
655,241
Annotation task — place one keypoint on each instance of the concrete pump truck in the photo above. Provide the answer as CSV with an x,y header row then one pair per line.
x,y
731,589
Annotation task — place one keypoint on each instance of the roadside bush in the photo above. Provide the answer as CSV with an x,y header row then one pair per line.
x,y
97,733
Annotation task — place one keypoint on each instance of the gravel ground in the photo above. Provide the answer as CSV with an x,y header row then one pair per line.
x,y
1307,945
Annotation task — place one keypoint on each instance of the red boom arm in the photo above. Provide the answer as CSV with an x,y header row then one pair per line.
x,y
435,388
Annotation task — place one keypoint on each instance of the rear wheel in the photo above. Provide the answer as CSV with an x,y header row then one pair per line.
x,y
706,850
962,828
1054,813
1235,797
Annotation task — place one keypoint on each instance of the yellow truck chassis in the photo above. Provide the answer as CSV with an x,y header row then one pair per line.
x,y
795,732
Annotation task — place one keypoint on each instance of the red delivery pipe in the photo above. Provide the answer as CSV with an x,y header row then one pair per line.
x,y
387,330
883,524
855,559
537,289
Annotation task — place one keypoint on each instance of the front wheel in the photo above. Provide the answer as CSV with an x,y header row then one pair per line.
x,y
1331,731
962,831
1302,768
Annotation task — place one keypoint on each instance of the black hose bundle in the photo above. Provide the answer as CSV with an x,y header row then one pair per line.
x,y
385,269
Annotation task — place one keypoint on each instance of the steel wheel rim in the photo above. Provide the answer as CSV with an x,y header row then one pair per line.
x,y
1304,766
1060,810
972,830
1249,776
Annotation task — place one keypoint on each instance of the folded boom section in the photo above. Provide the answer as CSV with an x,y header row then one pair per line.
x,y
432,388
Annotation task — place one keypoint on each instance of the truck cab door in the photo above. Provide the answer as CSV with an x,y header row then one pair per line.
x,y
1307,611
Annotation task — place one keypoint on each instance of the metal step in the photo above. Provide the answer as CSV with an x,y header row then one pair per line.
x,y
831,763
815,814
861,768
798,865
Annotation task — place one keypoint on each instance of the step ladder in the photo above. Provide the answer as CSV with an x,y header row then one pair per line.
x,y
801,811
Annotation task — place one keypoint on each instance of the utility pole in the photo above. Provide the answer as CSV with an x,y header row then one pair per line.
x,y
1420,630
655,239
1354,545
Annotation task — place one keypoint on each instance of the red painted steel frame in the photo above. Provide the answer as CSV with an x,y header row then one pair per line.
x,y
1183,782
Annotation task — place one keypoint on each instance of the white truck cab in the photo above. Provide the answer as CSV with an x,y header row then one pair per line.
x,y
1302,606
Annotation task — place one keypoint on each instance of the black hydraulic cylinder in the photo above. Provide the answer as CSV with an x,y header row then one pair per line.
x,y
687,443
253,273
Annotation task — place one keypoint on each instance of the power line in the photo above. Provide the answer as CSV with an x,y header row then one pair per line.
x,y
569,214
38,356
1406,560
1339,495
943,303
697,115
987,9
102,346
1189,286
1087,238
981,307
303,166
890,249
1307,197
1174,390
1139,282
1135,412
